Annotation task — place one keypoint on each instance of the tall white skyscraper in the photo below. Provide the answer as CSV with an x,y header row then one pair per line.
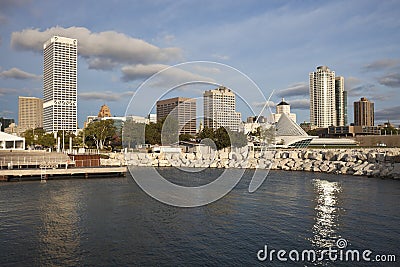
x,y
327,103
220,109
60,84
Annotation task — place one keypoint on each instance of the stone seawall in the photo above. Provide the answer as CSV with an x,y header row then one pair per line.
x,y
373,162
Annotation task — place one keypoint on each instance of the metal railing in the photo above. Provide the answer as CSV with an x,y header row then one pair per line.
x,y
35,161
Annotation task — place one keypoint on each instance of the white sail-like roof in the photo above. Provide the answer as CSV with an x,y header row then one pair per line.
x,y
287,127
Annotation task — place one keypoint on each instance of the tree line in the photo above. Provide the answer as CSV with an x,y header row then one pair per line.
x,y
103,134
166,132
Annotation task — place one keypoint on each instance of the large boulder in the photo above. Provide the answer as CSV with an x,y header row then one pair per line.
x,y
395,172
315,156
330,155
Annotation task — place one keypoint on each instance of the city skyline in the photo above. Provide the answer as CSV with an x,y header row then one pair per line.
x,y
270,42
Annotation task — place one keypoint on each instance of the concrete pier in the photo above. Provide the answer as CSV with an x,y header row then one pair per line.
x,y
21,174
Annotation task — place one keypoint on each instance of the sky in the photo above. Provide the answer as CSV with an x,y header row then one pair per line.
x,y
270,46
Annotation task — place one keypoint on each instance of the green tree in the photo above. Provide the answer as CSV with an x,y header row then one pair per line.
x,y
185,137
224,138
238,139
47,140
221,138
32,136
64,136
170,130
133,134
267,136
79,139
206,133
165,131
153,133
29,137
100,132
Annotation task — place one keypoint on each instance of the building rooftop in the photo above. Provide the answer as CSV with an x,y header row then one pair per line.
x,y
287,127
283,103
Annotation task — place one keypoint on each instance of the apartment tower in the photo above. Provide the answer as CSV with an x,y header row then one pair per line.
x,y
220,109
363,112
328,99
340,102
60,84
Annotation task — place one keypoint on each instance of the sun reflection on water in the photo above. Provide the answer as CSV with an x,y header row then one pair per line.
x,y
326,226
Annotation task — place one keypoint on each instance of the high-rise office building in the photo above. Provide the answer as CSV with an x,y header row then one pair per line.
x,y
220,109
363,112
30,113
328,99
183,109
60,84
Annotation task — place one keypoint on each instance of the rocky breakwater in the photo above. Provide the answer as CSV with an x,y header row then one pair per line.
x,y
241,158
384,163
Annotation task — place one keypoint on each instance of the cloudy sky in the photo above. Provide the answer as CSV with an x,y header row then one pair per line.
x,y
275,43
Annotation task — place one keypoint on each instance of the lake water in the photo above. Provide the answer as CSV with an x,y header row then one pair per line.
x,y
112,222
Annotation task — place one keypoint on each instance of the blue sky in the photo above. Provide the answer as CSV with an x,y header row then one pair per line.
x,y
275,43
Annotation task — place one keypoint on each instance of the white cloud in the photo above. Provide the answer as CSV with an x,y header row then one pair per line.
x,y
297,89
98,63
262,104
3,19
300,104
390,113
105,96
103,49
19,91
6,113
381,64
221,57
207,69
167,78
140,71
7,91
351,82
391,80
15,73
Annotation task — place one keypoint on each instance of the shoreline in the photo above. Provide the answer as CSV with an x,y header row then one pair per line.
x,y
370,162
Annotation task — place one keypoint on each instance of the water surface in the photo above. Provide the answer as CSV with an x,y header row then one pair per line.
x,y
111,221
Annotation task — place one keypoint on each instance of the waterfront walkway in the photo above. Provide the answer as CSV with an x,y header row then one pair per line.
x,y
44,174
32,159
